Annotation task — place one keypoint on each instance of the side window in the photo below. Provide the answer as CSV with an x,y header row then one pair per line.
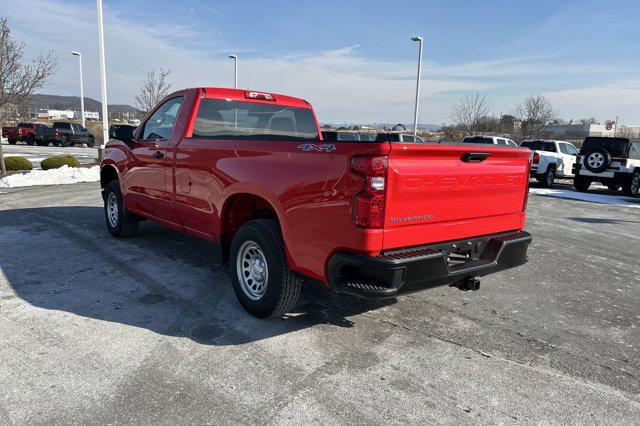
x,y
160,125
501,141
563,148
634,151
77,128
572,149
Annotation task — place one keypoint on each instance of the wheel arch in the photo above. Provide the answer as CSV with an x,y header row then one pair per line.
x,y
239,208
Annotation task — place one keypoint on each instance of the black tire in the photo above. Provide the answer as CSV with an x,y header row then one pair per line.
x,y
42,142
581,183
548,177
66,142
597,160
282,287
31,141
126,224
632,187
13,141
91,142
613,186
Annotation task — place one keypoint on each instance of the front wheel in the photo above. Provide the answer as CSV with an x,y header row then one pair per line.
x,y
120,222
632,187
42,142
581,184
66,142
91,143
13,141
258,269
31,141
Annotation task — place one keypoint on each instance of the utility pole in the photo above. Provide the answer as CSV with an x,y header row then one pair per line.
x,y
415,113
103,85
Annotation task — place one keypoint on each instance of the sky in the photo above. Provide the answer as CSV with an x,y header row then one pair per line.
x,y
353,60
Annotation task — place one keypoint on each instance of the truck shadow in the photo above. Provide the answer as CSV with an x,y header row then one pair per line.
x,y
63,259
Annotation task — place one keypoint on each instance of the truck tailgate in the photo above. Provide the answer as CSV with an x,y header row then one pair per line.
x,y
438,193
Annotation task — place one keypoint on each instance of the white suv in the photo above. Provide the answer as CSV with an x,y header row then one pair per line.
x,y
550,159
614,162
490,140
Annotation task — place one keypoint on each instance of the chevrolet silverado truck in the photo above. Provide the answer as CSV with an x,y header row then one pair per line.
x,y
551,159
250,171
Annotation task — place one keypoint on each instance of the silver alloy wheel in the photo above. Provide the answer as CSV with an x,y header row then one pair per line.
x,y
252,270
112,210
595,160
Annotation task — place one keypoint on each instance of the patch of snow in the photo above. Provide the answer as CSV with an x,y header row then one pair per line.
x,y
617,200
63,176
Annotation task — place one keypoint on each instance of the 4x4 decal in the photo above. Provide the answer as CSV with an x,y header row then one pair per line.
x,y
325,147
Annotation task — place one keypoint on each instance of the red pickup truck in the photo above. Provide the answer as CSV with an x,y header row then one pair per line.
x,y
23,132
250,171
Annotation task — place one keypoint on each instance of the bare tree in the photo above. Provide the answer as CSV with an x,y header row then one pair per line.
x,y
535,114
154,88
469,112
18,80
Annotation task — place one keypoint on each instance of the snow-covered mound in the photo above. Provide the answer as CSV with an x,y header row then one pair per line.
x,y
62,176
618,200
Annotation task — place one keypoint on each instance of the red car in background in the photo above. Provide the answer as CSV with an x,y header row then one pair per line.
x,y
23,132
250,171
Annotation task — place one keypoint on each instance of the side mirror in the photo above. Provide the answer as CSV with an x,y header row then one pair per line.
x,y
121,132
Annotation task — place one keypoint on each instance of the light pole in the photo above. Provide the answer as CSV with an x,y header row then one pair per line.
x,y
79,55
415,114
235,74
103,85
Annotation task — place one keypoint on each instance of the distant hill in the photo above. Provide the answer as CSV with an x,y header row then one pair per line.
x,y
73,103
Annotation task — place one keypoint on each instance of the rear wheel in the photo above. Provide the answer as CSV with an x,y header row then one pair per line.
x,y
258,268
91,142
548,178
31,141
66,142
42,142
12,141
581,183
632,187
120,222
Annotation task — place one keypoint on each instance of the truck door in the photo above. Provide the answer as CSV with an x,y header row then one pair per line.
x,y
145,186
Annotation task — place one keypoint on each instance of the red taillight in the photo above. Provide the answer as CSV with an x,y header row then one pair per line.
x,y
22,131
259,95
56,132
623,162
536,158
368,204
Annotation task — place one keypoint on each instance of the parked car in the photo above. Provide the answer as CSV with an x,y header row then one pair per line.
x,y
373,219
489,140
551,159
614,162
23,132
398,137
65,134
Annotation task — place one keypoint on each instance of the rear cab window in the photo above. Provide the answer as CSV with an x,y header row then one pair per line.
x,y
230,119
539,146
478,139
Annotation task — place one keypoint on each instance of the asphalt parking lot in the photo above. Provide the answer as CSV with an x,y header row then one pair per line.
x,y
36,154
148,330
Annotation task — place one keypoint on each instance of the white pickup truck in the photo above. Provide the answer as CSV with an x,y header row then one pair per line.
x,y
550,159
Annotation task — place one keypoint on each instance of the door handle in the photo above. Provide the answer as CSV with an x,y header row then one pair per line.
x,y
475,157
158,155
